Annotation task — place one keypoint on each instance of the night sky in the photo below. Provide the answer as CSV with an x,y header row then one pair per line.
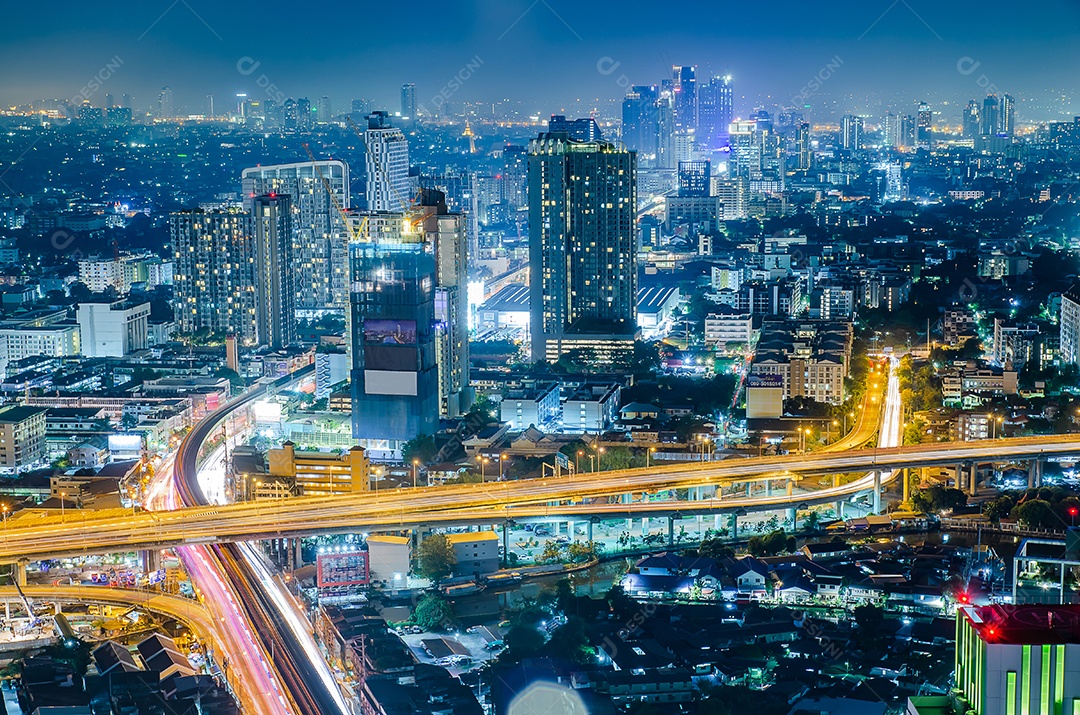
x,y
546,53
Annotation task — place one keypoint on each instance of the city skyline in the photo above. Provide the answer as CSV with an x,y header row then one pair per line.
x,y
552,56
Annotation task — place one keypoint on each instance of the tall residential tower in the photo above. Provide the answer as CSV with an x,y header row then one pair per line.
x,y
582,202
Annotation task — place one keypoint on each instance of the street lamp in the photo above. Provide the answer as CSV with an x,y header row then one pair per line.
x,y
647,455
502,473
415,464
483,461
577,456
63,498
599,457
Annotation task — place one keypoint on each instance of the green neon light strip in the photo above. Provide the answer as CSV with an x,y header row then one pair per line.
x,y
1044,674
1025,681
1059,680
1010,693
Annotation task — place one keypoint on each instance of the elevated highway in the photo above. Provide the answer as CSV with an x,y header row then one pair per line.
x,y
493,502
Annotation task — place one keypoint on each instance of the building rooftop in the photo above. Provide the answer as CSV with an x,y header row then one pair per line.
x,y
653,300
20,413
1025,624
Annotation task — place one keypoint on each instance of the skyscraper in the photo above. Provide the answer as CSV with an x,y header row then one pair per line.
x,y
461,191
387,162
515,176
165,104
446,233
988,120
319,236
213,279
290,118
851,132
582,202
304,120
806,154
971,125
395,369
326,110
686,101
715,112
641,123
408,102
1007,125
924,122
274,272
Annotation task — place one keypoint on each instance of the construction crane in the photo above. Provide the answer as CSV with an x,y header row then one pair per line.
x,y
354,234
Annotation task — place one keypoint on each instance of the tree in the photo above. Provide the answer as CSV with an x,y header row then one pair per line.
x,y
938,498
715,549
570,641
1037,514
433,612
436,557
999,507
553,553
523,641
421,447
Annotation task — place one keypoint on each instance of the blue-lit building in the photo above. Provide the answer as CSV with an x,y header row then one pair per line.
x,y
395,371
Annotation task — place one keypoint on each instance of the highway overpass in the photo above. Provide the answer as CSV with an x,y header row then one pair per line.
x,y
37,536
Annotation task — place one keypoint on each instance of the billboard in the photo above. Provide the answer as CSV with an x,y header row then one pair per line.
x,y
335,570
390,332
765,380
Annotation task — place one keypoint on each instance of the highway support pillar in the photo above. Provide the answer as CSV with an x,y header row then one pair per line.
x,y
905,475
671,531
506,539
644,526
960,477
735,525
839,509
1034,474
149,560
768,487
877,492
588,530
790,486
793,517
20,574
974,479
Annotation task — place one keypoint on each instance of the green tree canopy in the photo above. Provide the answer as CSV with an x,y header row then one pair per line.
x,y
436,557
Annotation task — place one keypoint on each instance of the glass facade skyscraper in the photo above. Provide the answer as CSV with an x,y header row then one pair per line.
x,y
582,202
395,381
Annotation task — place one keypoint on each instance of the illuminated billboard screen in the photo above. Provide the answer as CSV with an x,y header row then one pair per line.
x,y
390,332
336,570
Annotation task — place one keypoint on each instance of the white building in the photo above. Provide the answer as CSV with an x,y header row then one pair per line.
x,y
387,162
389,558
1070,326
18,342
99,274
724,330
113,329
